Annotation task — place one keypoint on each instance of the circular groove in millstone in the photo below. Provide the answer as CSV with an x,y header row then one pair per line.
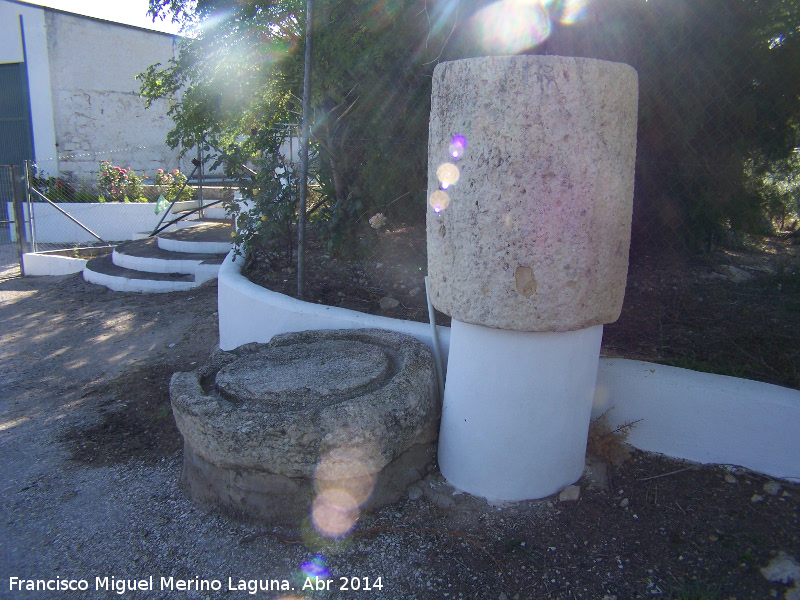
x,y
285,377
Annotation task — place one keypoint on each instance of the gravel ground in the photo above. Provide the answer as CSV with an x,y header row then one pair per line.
x,y
78,507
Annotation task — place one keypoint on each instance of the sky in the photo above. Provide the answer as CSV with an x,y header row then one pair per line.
x,y
129,12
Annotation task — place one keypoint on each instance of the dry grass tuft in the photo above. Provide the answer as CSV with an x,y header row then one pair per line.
x,y
609,444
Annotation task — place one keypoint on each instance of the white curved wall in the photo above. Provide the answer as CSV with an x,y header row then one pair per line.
x,y
703,417
250,313
684,414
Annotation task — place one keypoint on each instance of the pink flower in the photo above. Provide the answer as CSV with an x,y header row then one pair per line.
x,y
160,171
175,172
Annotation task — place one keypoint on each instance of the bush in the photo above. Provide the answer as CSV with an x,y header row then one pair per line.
x,y
170,185
118,183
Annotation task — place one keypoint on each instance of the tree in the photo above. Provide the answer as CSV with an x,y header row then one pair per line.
x,y
719,85
241,72
719,106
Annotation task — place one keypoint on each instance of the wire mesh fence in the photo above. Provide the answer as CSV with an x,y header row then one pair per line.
x,y
9,249
108,197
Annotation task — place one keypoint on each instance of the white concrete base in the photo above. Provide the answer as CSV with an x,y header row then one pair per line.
x,y
51,264
516,410
703,417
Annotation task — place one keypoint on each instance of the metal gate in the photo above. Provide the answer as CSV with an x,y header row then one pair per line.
x,y
12,221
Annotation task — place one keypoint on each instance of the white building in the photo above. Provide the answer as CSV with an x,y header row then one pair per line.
x,y
69,94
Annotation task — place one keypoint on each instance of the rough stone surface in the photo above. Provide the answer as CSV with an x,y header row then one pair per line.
x,y
267,426
537,232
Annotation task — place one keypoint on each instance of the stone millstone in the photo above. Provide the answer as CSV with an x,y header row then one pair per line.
x,y
537,231
267,424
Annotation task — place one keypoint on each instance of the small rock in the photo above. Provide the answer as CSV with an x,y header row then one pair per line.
x,y
570,493
502,596
762,269
730,478
597,473
414,291
388,303
443,501
734,274
784,569
756,498
773,488
414,493
625,502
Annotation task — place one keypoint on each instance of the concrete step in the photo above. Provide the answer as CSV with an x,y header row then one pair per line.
x,y
145,255
174,261
102,271
207,237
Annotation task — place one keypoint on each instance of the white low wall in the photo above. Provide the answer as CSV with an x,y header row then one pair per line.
x,y
684,414
250,313
112,221
51,264
703,417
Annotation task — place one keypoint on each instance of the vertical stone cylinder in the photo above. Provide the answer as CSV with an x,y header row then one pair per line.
x,y
537,230
528,253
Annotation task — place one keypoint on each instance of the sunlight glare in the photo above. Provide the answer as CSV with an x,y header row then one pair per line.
x,y
511,26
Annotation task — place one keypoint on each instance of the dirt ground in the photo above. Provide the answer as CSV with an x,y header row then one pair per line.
x,y
90,460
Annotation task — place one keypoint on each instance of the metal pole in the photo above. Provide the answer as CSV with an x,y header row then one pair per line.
x,y
183,187
26,166
301,210
200,191
66,214
31,217
17,183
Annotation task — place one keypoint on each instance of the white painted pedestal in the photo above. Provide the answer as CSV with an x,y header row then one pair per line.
x,y
516,410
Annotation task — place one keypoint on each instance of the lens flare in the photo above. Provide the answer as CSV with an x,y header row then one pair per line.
x,y
457,146
316,568
334,513
569,12
511,26
439,201
448,174
349,468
